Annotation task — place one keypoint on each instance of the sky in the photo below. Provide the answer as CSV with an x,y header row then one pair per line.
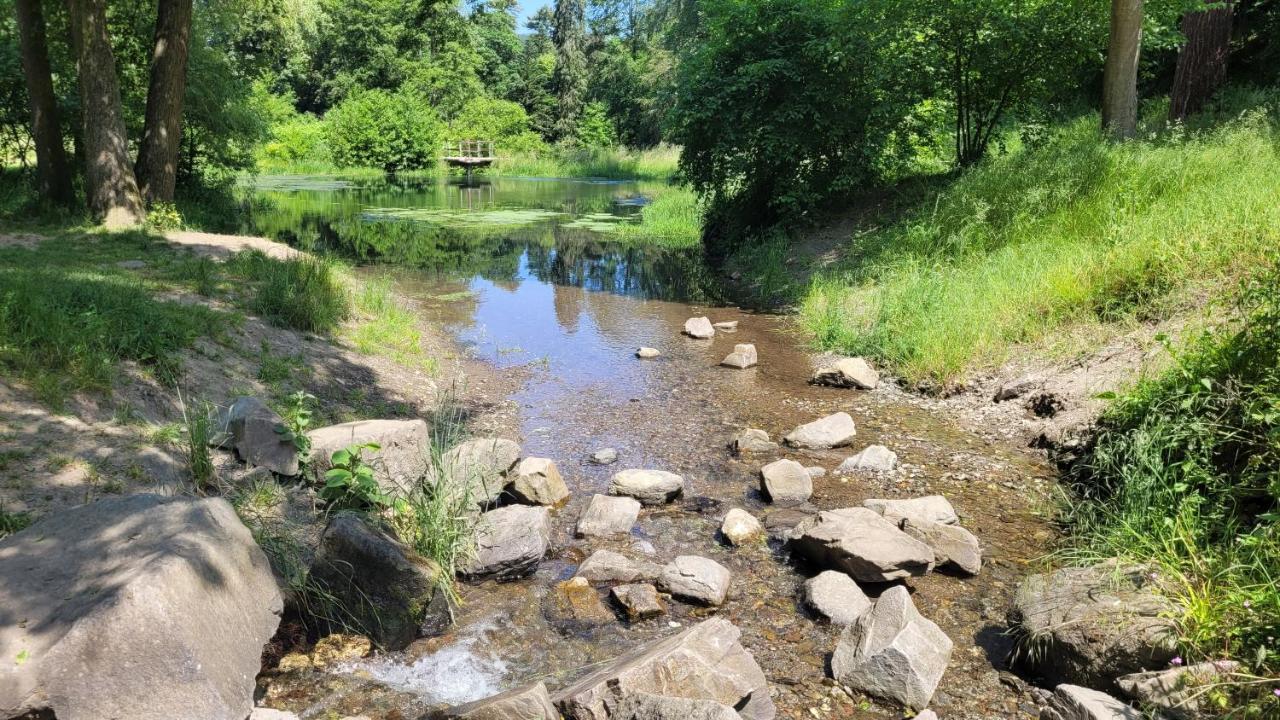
x,y
527,10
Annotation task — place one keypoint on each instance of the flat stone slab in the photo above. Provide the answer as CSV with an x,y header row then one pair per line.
x,y
699,327
608,515
741,527
638,600
848,373
530,702
862,544
537,481
650,487
605,456
606,566
695,578
832,431
510,542
836,597
932,508
786,483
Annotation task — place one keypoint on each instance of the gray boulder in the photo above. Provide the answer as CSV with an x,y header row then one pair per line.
x,y
399,465
786,483
836,597
740,527
141,607
699,327
1072,702
605,456
510,542
753,441
743,356
252,429
952,545
647,706
639,600
696,578
530,702
482,466
861,543
1176,691
605,566
608,515
388,589
1093,624
829,432
537,481
893,652
704,662
650,487
932,508
848,373
873,459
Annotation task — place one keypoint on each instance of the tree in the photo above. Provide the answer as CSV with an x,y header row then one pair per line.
x,y
52,170
110,184
375,128
1202,60
569,81
157,168
1120,77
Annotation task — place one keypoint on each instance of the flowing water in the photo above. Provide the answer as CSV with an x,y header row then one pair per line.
x,y
525,274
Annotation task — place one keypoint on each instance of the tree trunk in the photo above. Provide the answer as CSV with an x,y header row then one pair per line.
x,y
1120,78
157,166
1202,60
46,130
110,185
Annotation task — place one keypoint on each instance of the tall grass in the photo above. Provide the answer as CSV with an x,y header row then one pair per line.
x,y
304,292
673,219
658,163
1075,231
385,326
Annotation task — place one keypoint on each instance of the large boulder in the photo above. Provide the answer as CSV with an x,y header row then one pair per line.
x,y
1090,625
893,652
829,432
872,459
695,578
141,607
848,373
650,487
836,597
932,508
786,483
1072,702
537,481
699,327
859,542
481,466
1178,691
952,545
253,430
608,515
704,662
400,463
606,566
530,702
647,706
391,592
510,542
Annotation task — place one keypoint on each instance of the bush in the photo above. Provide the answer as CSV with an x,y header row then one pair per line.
x,y
300,138
502,121
378,129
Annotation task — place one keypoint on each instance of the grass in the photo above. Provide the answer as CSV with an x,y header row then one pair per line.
x,y
1185,476
386,327
658,163
1069,233
673,219
12,522
199,424
303,293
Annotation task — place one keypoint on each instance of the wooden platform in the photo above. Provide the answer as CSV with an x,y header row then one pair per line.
x,y
469,155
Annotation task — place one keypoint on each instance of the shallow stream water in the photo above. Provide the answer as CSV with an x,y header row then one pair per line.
x,y
525,275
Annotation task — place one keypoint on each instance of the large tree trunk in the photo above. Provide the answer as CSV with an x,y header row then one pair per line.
x,y
110,184
1202,60
46,130
157,166
1120,78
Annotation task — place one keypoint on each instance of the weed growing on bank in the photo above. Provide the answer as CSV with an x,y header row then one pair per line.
x,y
673,219
658,163
385,326
304,292
1073,231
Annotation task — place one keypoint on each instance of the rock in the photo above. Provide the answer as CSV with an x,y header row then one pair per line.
x,y
926,715
704,662
861,543
141,607
1093,624
1072,702
951,544
647,706
893,652
510,542
392,592
699,327
742,357
538,482
785,483
696,578
575,603
836,597
848,373
1015,389
530,702
781,522
650,487
753,441
639,600
607,456
399,465
1176,691
816,472
931,508
608,566
261,713
647,353
481,465
608,515
251,429
831,431
339,648
729,325
740,527
873,458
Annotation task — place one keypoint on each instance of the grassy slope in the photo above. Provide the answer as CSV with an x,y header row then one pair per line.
x,y
1071,233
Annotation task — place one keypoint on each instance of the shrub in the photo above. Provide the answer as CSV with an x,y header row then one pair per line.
x,y
502,121
300,138
378,129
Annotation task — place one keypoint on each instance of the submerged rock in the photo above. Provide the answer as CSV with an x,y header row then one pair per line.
x,y
753,441
829,432
388,589
647,353
930,508
252,430
1072,702
606,456
952,545
141,607
786,483
696,578
575,603
481,465
742,357
729,325
608,515
1176,691
537,481
873,458
647,706
848,373
836,597
740,527
398,466
510,542
639,600
530,702
861,543
608,566
650,487
699,327
704,662
893,652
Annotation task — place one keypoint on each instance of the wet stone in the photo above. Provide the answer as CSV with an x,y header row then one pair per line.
x,y
608,515
699,327
836,597
848,373
695,578
729,325
510,542
754,441
606,566
647,706
339,648
538,482
647,353
639,600
952,545
785,483
574,602
606,456
932,508
650,487
740,527
743,356
832,431
861,543
872,459
530,702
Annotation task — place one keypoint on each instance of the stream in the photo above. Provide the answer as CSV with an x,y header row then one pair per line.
x,y
526,275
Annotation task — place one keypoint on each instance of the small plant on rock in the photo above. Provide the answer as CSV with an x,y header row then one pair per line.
x,y
350,485
297,418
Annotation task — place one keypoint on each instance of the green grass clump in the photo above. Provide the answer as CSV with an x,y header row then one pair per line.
x,y
658,163
304,292
1185,475
1071,232
386,327
12,522
673,219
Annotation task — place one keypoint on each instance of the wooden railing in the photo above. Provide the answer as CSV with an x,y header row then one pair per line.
x,y
469,150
